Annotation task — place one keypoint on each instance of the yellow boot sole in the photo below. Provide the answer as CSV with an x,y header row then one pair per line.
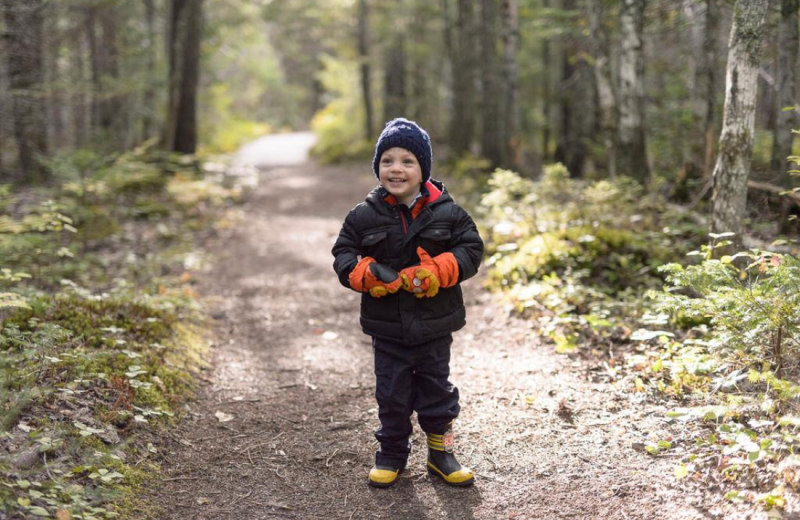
x,y
383,478
461,478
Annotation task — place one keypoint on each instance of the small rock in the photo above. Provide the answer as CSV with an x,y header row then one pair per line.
x,y
109,436
638,446
159,383
84,415
223,417
26,459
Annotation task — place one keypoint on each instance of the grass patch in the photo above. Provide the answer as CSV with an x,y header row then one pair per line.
x,y
101,334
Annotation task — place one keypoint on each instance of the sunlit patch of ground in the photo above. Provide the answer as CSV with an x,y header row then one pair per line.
x,y
294,381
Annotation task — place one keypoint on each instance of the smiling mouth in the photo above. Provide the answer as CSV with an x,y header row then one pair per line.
x,y
397,180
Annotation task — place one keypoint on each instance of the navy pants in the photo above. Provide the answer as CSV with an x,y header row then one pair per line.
x,y
411,379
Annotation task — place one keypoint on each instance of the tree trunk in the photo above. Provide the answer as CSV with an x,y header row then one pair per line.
x,y
492,147
81,103
5,103
511,118
24,34
605,88
708,80
446,59
419,101
736,141
546,96
108,112
462,124
363,52
149,94
52,96
701,17
576,97
395,81
186,17
785,120
632,142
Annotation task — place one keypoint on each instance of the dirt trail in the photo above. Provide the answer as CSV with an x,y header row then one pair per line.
x,y
294,370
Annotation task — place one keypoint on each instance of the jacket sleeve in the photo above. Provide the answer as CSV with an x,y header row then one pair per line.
x,y
466,244
346,250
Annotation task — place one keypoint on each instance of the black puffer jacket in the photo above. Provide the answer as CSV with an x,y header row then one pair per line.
x,y
387,233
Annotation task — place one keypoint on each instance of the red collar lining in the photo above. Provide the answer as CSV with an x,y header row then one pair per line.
x,y
433,194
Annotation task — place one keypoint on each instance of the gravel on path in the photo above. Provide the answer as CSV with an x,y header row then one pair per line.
x,y
293,380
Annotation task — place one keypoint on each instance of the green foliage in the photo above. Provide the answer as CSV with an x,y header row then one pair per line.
x,y
721,334
339,126
225,131
579,249
109,350
752,310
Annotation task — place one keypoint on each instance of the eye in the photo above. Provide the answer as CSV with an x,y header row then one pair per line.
x,y
386,161
409,161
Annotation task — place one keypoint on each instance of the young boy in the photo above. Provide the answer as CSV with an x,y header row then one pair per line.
x,y
407,248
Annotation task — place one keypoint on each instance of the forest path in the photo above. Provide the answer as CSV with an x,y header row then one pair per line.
x,y
294,371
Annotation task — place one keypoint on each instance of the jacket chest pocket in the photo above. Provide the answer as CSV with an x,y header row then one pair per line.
x,y
434,241
374,244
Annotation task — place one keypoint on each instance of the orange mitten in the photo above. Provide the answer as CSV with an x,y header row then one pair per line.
x,y
425,279
377,279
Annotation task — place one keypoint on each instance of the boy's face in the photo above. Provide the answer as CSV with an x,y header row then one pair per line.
x,y
400,174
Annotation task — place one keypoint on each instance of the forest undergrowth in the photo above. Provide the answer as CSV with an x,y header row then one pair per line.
x,y
102,335
613,272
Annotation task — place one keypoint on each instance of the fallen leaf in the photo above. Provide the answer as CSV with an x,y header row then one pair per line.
x,y
280,506
63,514
202,501
223,417
329,335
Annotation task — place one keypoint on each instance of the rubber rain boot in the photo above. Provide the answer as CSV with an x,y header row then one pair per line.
x,y
443,464
383,476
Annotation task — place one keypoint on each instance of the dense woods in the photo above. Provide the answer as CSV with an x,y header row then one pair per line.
x,y
632,165
632,88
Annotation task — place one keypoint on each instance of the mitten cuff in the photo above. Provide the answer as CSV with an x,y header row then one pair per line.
x,y
357,278
448,269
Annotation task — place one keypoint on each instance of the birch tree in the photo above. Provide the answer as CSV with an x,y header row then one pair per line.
x,y
606,95
703,17
732,169
632,141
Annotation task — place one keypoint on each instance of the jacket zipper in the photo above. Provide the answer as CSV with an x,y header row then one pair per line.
x,y
403,218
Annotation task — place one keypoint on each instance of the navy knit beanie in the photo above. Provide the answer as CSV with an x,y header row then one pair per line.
x,y
405,134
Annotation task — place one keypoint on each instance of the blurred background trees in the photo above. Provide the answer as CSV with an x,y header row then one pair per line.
x,y
628,87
